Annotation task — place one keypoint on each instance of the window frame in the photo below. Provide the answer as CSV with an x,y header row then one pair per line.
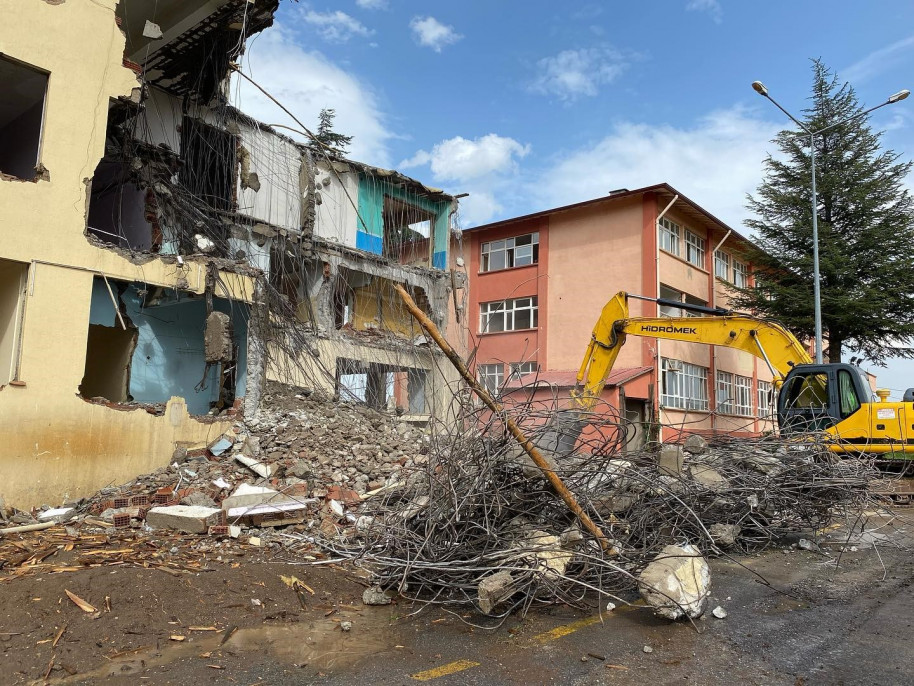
x,y
672,230
691,378
741,269
764,399
39,137
694,244
488,372
722,258
508,309
742,405
509,247
725,397
519,369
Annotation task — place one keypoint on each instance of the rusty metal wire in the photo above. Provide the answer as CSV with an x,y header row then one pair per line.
x,y
479,506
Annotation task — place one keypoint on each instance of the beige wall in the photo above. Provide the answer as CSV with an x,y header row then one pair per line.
x,y
593,254
56,445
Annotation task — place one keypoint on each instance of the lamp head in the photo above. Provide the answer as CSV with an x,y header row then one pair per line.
x,y
759,88
899,96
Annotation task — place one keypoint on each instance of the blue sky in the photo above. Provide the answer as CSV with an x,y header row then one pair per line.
x,y
530,105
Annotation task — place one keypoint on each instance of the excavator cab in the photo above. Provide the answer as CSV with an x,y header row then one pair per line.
x,y
815,397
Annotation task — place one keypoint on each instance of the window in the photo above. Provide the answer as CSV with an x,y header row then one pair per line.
x,y
13,278
695,249
765,398
21,116
685,386
667,293
511,252
740,274
725,392
850,403
743,400
722,265
519,369
407,230
508,315
808,391
669,236
491,376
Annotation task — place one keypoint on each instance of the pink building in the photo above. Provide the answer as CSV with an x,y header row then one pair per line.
x,y
539,282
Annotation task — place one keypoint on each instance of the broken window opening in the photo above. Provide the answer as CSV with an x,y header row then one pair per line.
x,y
21,118
171,346
13,280
209,165
120,212
382,387
407,232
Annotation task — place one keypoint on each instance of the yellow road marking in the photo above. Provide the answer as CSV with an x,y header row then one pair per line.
x,y
444,670
566,629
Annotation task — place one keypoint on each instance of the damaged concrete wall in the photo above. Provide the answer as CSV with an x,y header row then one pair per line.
x,y
268,187
62,446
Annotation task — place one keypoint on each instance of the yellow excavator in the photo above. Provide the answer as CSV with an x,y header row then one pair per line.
x,y
833,398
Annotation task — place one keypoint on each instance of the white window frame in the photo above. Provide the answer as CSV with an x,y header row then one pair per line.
x,y
491,376
743,401
722,265
519,251
668,235
765,399
740,274
725,396
676,294
519,369
685,386
694,249
506,311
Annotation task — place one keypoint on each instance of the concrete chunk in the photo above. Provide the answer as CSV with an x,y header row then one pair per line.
x,y
676,583
494,589
695,445
256,466
670,461
192,519
247,495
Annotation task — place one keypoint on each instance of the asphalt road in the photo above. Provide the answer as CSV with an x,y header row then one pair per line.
x,y
794,617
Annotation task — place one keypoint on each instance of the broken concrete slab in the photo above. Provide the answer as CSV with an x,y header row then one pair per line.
x,y
191,519
247,495
259,468
548,553
708,477
198,498
670,460
724,535
57,514
494,589
676,583
695,445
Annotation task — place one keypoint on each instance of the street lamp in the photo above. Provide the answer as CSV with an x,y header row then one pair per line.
x,y
759,88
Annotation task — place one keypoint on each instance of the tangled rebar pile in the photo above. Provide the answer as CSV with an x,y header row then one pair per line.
x,y
480,508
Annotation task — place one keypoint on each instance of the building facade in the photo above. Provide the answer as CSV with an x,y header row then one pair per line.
x,y
162,254
539,282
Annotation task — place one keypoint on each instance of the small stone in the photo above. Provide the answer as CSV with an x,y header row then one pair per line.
x,y
345,625
719,612
610,607
375,596
647,649
695,445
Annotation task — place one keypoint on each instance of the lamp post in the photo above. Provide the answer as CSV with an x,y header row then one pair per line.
x,y
759,88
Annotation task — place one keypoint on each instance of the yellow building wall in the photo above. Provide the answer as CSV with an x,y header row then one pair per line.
x,y
56,446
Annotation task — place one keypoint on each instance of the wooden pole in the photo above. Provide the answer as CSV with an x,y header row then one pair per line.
x,y
515,430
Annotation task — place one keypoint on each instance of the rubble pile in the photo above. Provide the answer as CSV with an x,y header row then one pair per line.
x,y
301,460
479,526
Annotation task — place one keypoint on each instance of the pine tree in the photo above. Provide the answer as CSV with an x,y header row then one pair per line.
x,y
326,135
866,232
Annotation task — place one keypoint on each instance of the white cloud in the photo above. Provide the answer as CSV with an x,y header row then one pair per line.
x,y
575,73
431,33
878,61
715,163
460,159
372,4
336,27
484,167
712,7
305,82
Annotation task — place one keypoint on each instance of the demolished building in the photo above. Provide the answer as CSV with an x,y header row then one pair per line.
x,y
164,254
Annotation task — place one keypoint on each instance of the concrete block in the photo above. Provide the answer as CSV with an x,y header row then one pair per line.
x,y
676,583
247,495
256,466
671,460
191,519
494,589
695,445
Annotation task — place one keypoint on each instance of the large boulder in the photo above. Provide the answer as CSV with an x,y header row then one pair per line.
x,y
676,583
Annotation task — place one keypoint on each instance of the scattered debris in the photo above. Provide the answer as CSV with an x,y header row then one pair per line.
x,y
719,612
375,596
345,625
80,603
647,649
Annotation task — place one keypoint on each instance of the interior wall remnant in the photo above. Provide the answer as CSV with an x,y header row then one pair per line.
x,y
170,356
416,381
23,91
209,163
109,351
118,210
13,278
407,229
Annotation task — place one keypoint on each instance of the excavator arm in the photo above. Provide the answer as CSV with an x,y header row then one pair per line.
x,y
767,340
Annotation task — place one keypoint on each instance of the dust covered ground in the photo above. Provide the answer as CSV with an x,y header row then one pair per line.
x,y
794,616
